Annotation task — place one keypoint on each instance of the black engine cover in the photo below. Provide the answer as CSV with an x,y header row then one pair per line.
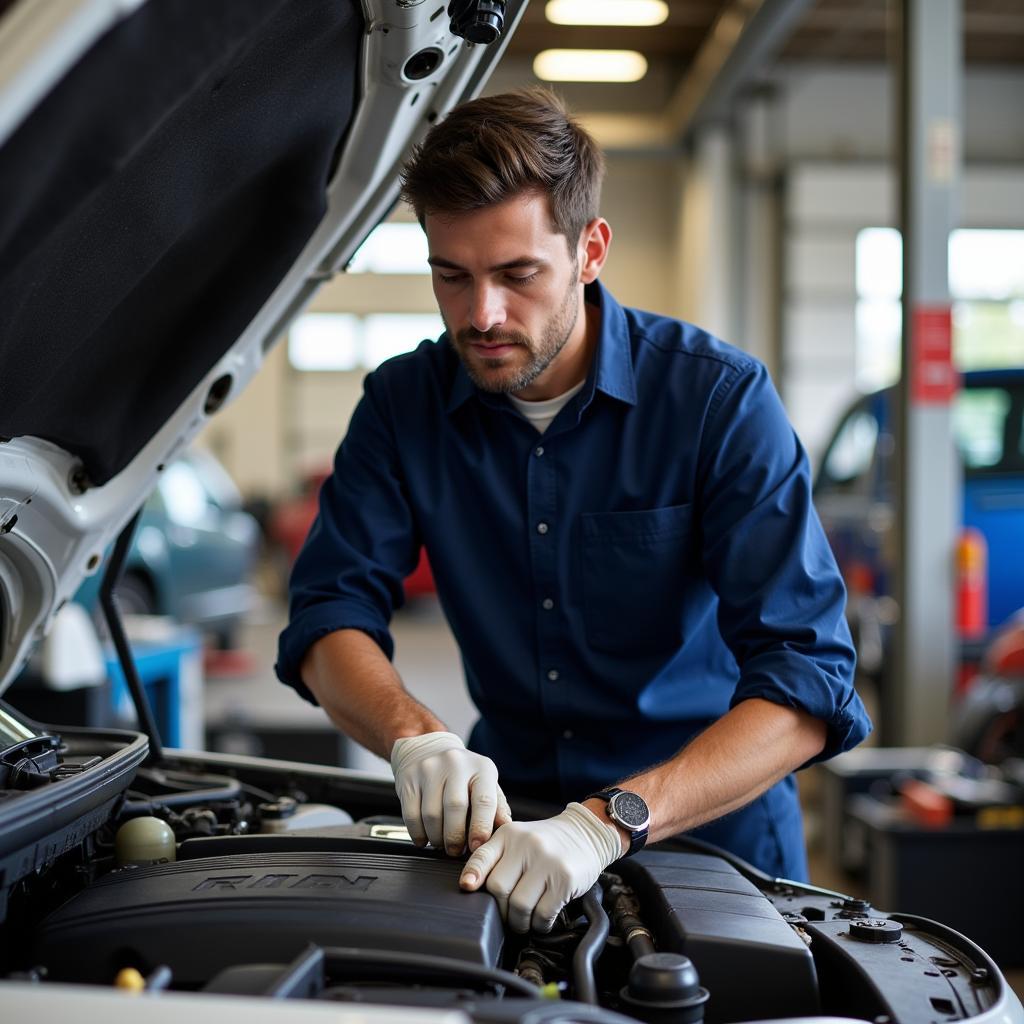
x,y
202,916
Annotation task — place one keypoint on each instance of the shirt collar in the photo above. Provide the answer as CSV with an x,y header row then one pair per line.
x,y
611,370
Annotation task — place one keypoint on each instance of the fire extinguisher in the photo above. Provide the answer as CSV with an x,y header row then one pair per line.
x,y
972,584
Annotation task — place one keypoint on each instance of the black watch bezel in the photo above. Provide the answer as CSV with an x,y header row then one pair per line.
x,y
637,833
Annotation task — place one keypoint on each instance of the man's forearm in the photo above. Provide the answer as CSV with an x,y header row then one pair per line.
x,y
731,763
363,695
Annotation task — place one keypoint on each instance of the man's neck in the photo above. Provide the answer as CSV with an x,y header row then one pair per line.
x,y
561,376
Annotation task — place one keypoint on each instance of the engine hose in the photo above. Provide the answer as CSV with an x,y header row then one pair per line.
x,y
226,788
530,967
590,946
184,798
182,778
638,938
176,780
625,914
439,965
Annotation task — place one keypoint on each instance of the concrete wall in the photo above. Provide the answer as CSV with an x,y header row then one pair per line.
x,y
845,114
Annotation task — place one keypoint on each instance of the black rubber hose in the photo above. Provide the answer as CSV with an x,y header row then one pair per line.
x,y
183,779
111,612
640,945
590,946
624,914
440,965
222,787
184,798
184,782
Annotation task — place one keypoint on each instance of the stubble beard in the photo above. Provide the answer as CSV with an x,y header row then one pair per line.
x,y
543,351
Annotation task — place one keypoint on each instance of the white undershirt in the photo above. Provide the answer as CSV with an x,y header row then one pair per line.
x,y
541,414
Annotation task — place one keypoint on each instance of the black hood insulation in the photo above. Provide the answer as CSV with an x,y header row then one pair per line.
x,y
152,203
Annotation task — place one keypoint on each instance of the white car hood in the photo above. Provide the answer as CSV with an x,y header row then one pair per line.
x,y
185,177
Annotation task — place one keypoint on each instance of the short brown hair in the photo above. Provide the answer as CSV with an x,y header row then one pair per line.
x,y
496,147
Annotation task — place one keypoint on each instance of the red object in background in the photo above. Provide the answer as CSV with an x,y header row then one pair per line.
x,y
421,580
972,584
234,664
860,579
291,518
1005,656
966,674
934,380
926,804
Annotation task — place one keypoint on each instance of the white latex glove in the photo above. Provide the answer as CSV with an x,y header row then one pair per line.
x,y
440,782
533,868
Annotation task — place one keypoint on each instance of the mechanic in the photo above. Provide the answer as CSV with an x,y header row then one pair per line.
x,y
618,516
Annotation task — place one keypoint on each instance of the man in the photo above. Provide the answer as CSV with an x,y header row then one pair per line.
x,y
619,520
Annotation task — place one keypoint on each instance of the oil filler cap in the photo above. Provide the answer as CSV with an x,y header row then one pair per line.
x,y
876,929
664,987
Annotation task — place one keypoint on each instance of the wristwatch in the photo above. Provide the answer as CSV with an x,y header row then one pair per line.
x,y
629,811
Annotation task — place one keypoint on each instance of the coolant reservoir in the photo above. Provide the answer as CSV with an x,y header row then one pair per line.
x,y
144,841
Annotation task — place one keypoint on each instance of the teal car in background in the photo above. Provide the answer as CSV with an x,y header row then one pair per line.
x,y
193,552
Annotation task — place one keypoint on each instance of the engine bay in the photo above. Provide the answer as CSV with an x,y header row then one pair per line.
x,y
238,876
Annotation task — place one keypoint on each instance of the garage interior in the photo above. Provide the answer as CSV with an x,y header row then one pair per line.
x,y
759,174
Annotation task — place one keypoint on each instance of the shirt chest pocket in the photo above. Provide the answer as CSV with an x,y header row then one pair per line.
x,y
636,570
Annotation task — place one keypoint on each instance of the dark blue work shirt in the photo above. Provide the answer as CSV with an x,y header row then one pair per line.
x,y
614,584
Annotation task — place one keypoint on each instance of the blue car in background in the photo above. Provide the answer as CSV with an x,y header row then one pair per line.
x,y
854,494
193,552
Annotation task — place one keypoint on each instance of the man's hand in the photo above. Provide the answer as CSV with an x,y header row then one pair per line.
x,y
439,783
533,868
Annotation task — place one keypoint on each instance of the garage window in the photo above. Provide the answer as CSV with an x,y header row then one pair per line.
x,y
324,341
986,280
392,248
340,341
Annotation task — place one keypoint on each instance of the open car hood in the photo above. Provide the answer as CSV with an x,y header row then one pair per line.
x,y
178,179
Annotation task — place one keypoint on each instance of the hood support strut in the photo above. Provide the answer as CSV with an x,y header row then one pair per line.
x,y
112,614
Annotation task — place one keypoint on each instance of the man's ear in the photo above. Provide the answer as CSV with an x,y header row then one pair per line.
x,y
595,239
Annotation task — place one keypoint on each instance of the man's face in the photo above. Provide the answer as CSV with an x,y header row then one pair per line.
x,y
509,292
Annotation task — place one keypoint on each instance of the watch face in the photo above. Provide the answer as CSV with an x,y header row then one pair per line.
x,y
630,809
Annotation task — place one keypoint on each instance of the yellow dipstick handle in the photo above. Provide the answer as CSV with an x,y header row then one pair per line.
x,y
130,980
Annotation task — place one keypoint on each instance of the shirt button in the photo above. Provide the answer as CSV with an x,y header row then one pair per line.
x,y
553,675
547,604
567,735
542,527
539,450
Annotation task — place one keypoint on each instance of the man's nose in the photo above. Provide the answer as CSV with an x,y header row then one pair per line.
x,y
488,309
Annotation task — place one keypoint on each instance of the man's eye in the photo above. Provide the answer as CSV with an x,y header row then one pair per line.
x,y
516,279
450,278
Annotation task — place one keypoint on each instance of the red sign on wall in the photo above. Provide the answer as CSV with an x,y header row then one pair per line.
x,y
934,380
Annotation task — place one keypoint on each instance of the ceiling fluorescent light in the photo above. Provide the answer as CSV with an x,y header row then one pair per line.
x,y
606,12
590,65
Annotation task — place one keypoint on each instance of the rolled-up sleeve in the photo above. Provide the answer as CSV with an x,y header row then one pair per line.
x,y
361,547
781,597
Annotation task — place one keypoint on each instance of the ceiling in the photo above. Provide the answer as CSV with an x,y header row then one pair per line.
x,y
832,30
